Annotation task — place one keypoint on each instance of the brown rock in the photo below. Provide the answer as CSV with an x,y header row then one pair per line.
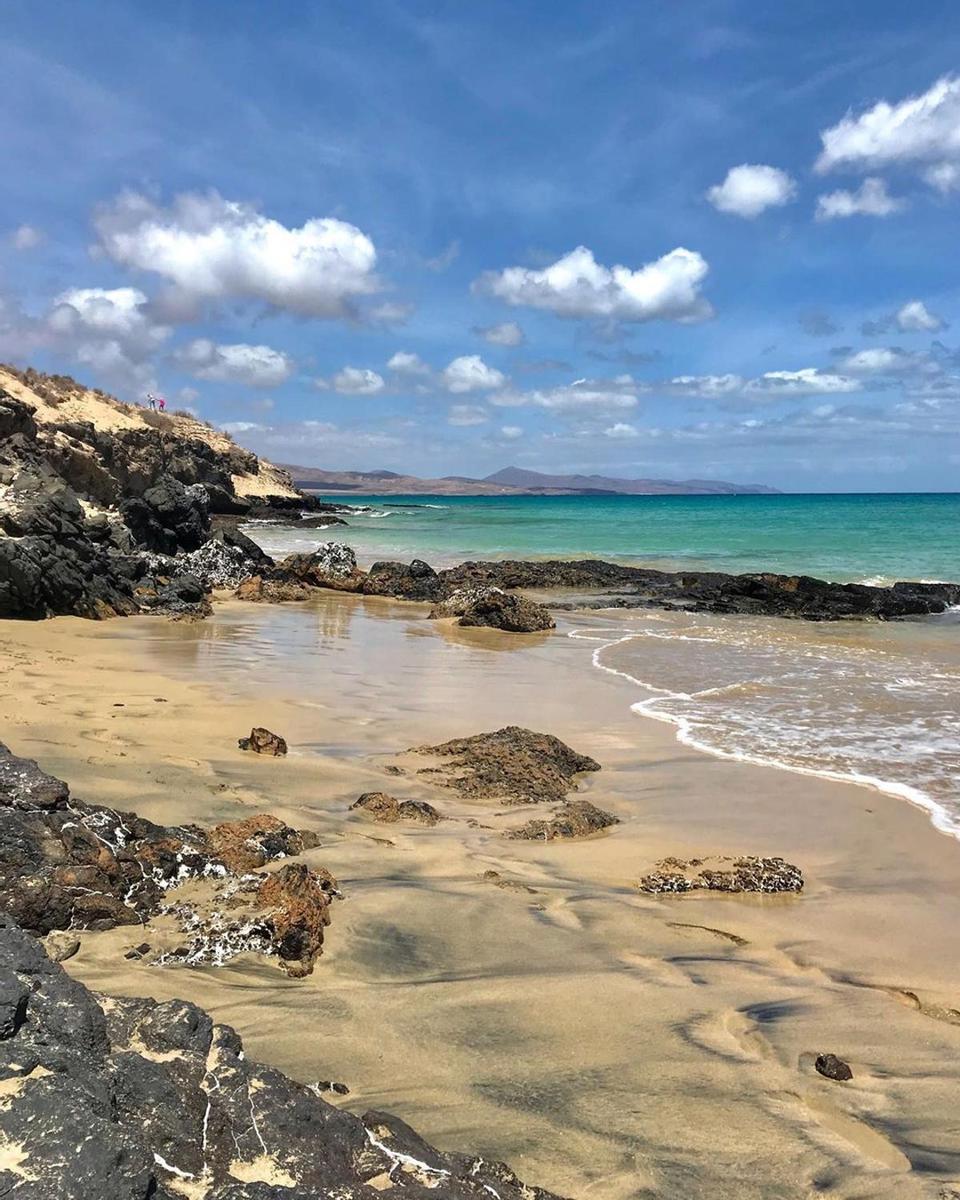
x,y
251,843
258,590
262,741
297,904
720,873
495,609
832,1067
514,765
388,809
573,819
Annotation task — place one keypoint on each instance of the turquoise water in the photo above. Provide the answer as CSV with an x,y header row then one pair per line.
x,y
843,537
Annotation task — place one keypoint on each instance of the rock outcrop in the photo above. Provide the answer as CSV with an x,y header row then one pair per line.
x,y
110,1098
614,585
573,819
494,608
514,765
723,874
404,581
65,865
389,809
104,507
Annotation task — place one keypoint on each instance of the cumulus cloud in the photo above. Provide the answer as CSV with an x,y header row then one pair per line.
x,y
915,317
358,381
391,312
922,130
405,363
110,330
578,286
579,396
26,237
212,249
871,199
467,415
750,189
507,333
253,366
469,373
621,431
878,360
511,433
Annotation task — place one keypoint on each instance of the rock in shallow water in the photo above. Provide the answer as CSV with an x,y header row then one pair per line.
x,y
511,764
115,1098
494,609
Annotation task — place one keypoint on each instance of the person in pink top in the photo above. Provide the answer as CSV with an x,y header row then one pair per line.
x,y
161,404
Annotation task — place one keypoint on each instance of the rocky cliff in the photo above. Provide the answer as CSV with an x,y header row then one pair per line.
x,y
90,488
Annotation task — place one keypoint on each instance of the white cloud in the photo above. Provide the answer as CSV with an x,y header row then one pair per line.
x,y
507,333
581,395
212,249
870,200
232,427
405,363
511,432
915,317
878,360
621,431
578,286
390,313
358,381
110,330
750,189
469,373
26,237
808,381
922,129
467,415
944,177
253,366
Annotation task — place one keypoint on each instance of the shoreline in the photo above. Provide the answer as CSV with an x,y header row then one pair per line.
x,y
417,911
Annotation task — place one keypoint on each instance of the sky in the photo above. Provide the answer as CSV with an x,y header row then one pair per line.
x,y
708,240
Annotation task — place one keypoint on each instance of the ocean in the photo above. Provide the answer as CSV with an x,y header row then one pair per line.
x,y
877,704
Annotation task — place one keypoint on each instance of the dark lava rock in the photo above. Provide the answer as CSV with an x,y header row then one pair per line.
x,y
574,819
709,591
258,590
512,764
495,609
413,581
833,1068
66,865
169,517
128,1099
388,809
262,741
331,565
746,874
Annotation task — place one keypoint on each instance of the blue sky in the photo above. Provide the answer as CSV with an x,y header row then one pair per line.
x,y
715,239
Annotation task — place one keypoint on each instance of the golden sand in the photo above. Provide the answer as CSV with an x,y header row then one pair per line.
x,y
604,1042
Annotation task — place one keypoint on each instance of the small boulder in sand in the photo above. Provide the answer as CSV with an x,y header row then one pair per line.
x,y
251,843
262,741
61,944
721,873
331,565
832,1067
574,819
493,608
389,809
257,590
514,765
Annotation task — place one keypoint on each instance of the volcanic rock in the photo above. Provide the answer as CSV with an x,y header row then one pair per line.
x,y
113,1098
262,741
573,819
832,1067
258,590
388,809
514,765
495,609
414,581
331,565
745,874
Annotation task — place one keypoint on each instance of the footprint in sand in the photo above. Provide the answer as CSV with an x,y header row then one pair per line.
x,y
730,1034
651,969
559,913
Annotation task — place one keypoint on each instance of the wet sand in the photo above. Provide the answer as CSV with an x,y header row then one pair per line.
x,y
604,1042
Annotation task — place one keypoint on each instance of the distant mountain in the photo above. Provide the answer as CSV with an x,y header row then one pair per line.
x,y
511,481
534,481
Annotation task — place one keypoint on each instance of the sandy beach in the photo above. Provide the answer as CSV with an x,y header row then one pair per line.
x,y
602,1041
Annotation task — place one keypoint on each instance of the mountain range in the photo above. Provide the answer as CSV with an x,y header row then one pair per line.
x,y
511,481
